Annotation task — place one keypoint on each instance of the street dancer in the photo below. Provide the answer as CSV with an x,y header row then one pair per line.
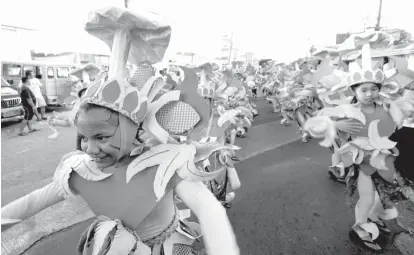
x,y
128,184
367,149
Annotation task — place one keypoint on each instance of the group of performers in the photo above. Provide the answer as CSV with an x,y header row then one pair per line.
x,y
149,141
363,107
290,90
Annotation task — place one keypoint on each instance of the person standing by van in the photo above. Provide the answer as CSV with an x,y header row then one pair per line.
x,y
29,106
34,85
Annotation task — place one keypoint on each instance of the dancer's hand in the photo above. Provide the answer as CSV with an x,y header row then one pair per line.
x,y
408,192
349,126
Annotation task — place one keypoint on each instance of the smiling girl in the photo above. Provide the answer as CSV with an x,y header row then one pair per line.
x,y
101,174
128,184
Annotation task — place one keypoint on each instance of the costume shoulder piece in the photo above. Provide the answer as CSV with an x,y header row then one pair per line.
x,y
75,161
177,118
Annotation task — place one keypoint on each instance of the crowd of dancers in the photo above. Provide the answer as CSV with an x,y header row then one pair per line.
x,y
149,141
358,97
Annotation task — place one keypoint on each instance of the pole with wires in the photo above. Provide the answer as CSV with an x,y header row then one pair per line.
x,y
378,25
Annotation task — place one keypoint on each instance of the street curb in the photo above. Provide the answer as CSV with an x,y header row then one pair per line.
x,y
21,237
254,154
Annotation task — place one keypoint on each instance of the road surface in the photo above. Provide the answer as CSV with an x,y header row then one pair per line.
x,y
288,205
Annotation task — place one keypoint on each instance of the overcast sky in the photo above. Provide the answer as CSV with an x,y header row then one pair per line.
x,y
282,29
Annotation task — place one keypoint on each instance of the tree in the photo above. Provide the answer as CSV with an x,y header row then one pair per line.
x,y
406,37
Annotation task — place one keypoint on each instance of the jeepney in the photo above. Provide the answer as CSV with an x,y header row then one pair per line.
x,y
55,78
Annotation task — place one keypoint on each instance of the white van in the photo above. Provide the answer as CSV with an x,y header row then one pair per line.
x,y
56,80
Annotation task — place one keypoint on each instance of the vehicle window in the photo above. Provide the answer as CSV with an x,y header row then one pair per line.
x,y
12,70
4,83
50,72
62,72
39,70
29,68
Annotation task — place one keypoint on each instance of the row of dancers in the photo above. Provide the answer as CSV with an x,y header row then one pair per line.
x,y
363,108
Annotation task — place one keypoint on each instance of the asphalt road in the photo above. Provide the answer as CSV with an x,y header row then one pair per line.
x,y
288,205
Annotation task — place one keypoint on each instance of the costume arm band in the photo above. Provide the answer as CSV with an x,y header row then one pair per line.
x,y
217,230
32,203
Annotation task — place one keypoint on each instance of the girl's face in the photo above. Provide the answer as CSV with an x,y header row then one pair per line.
x,y
97,127
367,93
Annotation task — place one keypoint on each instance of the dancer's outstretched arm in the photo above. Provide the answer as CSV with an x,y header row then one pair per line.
x,y
218,232
32,203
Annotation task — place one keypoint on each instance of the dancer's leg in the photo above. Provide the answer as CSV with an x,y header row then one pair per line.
x,y
366,200
300,119
377,209
363,208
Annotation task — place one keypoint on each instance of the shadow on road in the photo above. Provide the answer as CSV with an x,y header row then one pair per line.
x,y
49,111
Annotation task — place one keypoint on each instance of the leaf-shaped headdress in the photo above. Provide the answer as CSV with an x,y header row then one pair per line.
x,y
142,38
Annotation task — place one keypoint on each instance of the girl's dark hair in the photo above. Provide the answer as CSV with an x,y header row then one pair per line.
x,y
81,92
354,100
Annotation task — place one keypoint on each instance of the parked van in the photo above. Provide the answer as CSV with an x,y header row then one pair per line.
x,y
11,105
56,80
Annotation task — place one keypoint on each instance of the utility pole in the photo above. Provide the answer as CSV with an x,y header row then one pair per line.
x,y
231,48
377,26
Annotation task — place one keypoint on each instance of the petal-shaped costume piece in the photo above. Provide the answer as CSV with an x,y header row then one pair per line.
x,y
171,158
343,111
375,140
106,236
321,127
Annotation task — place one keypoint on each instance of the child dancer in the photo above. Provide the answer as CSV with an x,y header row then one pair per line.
x,y
131,185
367,148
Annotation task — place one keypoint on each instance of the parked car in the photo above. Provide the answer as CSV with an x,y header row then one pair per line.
x,y
11,104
